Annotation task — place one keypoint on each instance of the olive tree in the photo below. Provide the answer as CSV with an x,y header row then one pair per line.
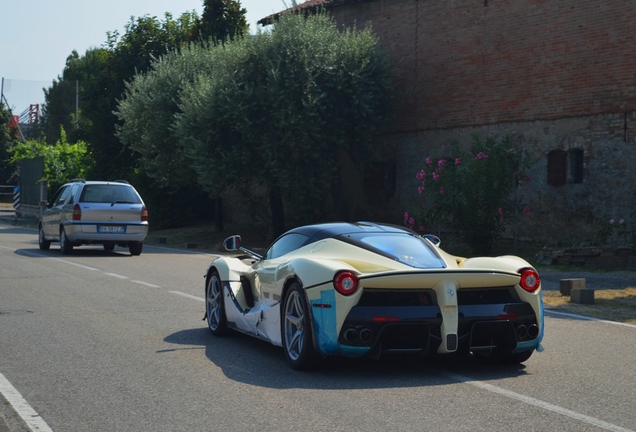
x,y
281,106
270,112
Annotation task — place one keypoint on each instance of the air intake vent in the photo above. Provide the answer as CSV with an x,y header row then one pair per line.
x,y
451,342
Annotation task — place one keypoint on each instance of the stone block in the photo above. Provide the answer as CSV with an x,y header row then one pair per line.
x,y
582,296
567,285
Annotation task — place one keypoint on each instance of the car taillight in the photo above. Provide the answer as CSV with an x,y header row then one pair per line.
x,y
144,214
77,213
530,280
345,282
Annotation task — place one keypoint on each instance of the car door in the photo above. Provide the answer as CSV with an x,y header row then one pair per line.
x,y
52,214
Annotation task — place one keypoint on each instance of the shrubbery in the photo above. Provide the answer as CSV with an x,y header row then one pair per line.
x,y
476,193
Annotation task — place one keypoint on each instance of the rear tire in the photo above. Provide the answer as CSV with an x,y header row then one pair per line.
x,y
42,241
136,248
65,244
296,332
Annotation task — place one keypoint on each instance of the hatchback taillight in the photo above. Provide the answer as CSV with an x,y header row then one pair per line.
x,y
144,214
77,213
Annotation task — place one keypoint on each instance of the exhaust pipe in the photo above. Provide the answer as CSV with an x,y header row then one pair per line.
x,y
533,331
522,332
366,335
351,335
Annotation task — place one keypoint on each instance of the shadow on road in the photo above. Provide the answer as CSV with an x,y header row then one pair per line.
x,y
255,362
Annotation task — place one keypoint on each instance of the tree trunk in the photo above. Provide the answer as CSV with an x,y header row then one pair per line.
x,y
278,213
218,214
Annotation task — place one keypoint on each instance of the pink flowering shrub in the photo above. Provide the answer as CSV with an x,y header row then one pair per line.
x,y
616,232
475,193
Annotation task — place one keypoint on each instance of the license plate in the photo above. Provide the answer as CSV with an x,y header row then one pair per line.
x,y
117,229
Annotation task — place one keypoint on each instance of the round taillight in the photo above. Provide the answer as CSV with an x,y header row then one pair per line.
x,y
530,280
345,282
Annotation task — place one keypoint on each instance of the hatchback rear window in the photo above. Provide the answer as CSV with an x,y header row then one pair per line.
x,y
109,193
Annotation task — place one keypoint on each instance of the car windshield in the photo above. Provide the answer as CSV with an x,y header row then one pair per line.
x,y
109,193
407,249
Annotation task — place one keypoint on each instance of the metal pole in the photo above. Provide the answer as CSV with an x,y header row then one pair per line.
x,y
77,102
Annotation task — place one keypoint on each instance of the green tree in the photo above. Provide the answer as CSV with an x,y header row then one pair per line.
x,y
62,161
477,193
221,20
282,106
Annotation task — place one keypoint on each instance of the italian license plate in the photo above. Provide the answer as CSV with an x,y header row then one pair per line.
x,y
117,229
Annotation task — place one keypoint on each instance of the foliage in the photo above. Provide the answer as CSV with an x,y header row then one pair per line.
x,y
221,20
62,161
148,108
102,74
476,193
278,108
616,232
7,141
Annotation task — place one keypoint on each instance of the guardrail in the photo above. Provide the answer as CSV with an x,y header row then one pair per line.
x,y
9,199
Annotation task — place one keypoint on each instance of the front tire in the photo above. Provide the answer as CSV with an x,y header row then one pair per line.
x,y
297,337
42,241
215,305
65,244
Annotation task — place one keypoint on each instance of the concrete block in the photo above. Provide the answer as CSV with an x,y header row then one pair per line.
x,y
582,296
567,285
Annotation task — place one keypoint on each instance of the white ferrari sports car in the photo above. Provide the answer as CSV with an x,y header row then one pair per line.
x,y
364,289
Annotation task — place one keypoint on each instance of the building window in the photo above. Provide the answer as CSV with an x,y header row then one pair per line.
x,y
575,166
565,167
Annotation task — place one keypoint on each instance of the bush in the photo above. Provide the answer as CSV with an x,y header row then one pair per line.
x,y
475,193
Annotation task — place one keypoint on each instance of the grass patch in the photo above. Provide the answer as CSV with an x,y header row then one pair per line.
x,y
614,305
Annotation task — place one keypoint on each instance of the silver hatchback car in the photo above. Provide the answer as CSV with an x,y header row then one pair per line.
x,y
94,212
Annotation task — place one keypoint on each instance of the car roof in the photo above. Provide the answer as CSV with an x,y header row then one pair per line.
x,y
335,229
123,182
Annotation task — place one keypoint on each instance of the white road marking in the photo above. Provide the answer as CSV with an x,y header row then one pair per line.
x,y
583,317
22,407
179,293
74,263
536,402
145,283
116,275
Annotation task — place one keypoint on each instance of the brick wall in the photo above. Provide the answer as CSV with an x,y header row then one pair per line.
x,y
475,62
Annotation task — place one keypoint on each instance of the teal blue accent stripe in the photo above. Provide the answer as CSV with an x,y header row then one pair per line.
x,y
325,323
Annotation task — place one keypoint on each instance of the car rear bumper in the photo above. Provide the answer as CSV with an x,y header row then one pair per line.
x,y
87,233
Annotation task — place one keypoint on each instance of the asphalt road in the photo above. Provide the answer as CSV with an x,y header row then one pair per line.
x,y
99,341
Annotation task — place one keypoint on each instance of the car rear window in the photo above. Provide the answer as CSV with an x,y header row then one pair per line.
x,y
109,193
407,249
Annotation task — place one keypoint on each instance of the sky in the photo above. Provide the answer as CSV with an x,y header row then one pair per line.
x,y
36,36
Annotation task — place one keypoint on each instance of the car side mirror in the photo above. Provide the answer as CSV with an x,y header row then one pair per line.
x,y
43,203
232,243
433,239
